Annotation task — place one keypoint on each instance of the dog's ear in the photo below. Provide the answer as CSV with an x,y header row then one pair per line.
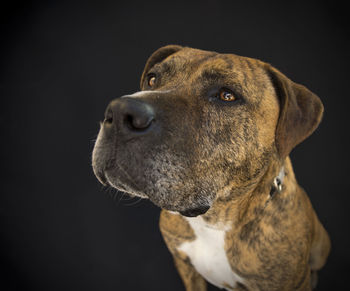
x,y
158,56
300,112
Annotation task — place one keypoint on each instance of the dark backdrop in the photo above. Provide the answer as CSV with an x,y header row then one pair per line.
x,y
63,61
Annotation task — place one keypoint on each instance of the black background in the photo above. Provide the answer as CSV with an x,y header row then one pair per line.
x,y
63,61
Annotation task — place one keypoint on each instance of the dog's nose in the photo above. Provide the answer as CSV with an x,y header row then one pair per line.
x,y
129,115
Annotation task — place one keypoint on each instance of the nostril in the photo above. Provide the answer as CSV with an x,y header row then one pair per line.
x,y
109,120
109,116
138,123
128,121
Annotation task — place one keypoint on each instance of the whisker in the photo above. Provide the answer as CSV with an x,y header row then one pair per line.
x,y
93,139
128,197
135,202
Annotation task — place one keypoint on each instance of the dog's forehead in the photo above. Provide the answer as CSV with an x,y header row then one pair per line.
x,y
208,63
201,68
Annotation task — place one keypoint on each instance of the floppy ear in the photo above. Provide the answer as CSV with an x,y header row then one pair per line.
x,y
300,112
158,56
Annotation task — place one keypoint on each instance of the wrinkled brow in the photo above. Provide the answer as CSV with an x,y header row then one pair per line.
x,y
213,75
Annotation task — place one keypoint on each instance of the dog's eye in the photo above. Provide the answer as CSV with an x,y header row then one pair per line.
x,y
226,95
151,80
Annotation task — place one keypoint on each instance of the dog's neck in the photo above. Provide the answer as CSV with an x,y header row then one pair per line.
x,y
276,180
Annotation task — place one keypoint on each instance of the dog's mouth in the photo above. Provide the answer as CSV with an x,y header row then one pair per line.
x,y
101,177
121,182
108,177
164,181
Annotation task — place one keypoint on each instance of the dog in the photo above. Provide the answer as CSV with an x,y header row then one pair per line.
x,y
208,139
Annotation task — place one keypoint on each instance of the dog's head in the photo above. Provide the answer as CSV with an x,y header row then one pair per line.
x,y
204,125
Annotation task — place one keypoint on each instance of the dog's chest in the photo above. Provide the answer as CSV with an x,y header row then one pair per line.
x,y
207,254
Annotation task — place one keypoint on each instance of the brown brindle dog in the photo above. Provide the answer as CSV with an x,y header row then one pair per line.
x,y
207,139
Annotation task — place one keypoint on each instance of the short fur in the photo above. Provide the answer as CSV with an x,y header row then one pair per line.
x,y
204,153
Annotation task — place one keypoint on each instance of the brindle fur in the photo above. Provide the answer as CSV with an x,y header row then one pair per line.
x,y
225,155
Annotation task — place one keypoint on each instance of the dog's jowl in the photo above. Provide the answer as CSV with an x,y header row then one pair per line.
x,y
208,139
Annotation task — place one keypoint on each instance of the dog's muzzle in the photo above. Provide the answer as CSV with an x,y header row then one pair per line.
x,y
126,118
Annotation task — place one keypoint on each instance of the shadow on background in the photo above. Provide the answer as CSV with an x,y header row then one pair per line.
x,y
61,64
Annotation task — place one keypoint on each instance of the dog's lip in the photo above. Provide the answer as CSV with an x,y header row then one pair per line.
x,y
108,179
100,175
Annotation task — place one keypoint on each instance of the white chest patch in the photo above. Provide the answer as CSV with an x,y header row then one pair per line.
x,y
207,254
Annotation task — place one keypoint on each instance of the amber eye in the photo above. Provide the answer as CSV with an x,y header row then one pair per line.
x,y
151,80
226,95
